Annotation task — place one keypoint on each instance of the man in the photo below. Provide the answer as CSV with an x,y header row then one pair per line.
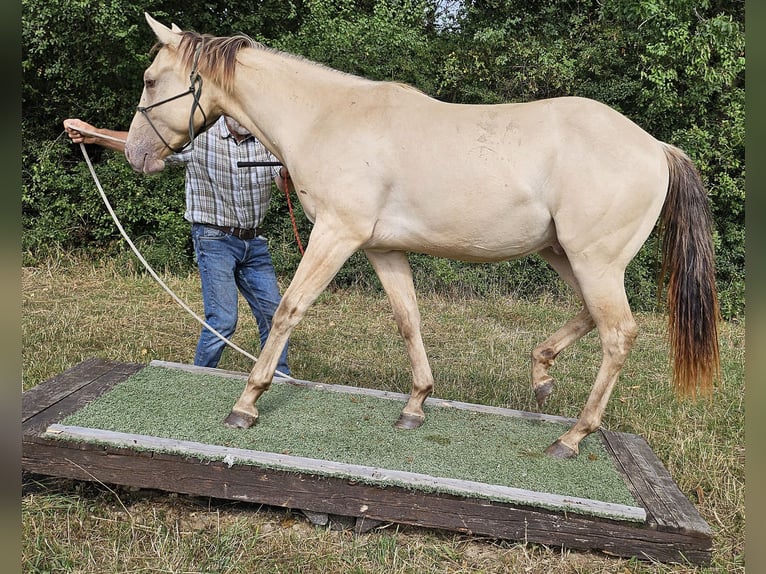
x,y
226,206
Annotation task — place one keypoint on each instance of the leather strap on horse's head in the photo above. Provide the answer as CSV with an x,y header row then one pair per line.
x,y
195,89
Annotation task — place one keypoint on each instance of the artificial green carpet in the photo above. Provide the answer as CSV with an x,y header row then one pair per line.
x,y
356,429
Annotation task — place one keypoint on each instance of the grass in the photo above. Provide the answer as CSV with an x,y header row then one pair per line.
x,y
479,350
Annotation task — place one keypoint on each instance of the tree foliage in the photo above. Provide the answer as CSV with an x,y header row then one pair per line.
x,y
676,67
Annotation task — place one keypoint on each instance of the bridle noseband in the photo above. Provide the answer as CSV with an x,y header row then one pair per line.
x,y
195,89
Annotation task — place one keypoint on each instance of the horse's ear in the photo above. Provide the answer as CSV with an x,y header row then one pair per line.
x,y
164,34
176,29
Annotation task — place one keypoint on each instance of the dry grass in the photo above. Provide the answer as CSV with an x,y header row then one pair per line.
x,y
479,351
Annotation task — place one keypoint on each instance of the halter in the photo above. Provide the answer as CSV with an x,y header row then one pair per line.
x,y
195,89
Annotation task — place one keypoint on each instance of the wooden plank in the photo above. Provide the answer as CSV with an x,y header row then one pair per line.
x,y
651,483
68,392
188,475
54,389
371,475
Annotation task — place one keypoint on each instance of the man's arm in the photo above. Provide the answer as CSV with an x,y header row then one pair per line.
x,y
82,132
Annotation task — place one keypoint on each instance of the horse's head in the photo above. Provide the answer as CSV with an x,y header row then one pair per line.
x,y
171,110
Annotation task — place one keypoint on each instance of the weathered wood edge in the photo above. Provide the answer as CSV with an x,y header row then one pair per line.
x,y
51,391
187,475
667,507
376,476
64,394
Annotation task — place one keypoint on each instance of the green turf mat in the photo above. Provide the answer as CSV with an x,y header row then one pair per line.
x,y
357,429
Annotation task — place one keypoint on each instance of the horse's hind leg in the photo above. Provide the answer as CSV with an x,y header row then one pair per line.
x,y
544,355
604,294
395,275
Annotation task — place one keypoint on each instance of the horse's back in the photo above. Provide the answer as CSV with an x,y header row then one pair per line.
x,y
489,182
500,178
532,145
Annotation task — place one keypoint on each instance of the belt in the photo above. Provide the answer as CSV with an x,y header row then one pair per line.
x,y
237,232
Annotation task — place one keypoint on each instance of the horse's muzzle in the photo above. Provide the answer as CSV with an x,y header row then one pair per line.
x,y
142,161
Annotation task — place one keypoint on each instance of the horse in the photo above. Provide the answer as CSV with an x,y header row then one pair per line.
x,y
384,168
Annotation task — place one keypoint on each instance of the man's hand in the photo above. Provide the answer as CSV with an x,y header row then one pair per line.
x,y
73,127
82,132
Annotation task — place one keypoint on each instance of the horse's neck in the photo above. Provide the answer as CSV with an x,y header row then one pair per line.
x,y
284,95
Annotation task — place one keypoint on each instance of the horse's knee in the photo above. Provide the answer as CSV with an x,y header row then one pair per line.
x,y
407,325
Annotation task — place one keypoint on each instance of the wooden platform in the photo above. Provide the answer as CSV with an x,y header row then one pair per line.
x,y
672,531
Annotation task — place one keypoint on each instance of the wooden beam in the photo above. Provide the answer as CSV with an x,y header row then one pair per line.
x,y
375,476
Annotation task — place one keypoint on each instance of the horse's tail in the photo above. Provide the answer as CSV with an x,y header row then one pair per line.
x,y
688,262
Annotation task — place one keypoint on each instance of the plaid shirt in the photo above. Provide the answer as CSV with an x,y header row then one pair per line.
x,y
217,191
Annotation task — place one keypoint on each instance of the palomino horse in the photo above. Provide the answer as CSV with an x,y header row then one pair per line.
x,y
382,167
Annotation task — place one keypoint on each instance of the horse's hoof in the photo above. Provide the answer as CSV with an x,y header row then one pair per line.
x,y
543,391
409,422
237,420
559,450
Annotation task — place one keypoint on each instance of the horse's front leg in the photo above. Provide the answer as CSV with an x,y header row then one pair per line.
x,y
244,414
395,275
324,256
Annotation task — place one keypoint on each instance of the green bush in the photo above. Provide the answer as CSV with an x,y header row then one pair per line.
x,y
62,209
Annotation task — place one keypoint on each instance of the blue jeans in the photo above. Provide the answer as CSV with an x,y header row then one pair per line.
x,y
228,265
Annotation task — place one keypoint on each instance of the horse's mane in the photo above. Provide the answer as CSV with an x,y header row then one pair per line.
x,y
217,55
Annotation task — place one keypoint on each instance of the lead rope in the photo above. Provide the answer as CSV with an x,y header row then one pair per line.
x,y
145,263
290,211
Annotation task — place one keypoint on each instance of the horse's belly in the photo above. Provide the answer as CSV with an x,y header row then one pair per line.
x,y
480,249
467,237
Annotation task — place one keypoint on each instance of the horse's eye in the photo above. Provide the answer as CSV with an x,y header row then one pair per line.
x,y
148,83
